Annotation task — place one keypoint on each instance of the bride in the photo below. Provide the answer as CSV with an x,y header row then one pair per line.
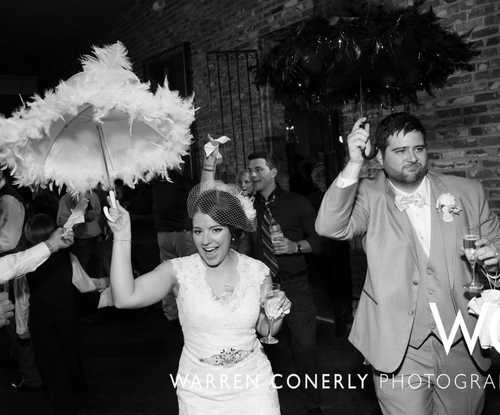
x,y
222,368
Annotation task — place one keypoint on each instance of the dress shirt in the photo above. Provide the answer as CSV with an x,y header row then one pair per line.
x,y
296,217
19,263
11,222
420,217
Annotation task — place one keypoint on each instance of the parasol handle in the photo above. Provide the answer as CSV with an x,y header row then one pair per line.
x,y
112,201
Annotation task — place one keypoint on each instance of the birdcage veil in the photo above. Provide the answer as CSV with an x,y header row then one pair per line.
x,y
224,203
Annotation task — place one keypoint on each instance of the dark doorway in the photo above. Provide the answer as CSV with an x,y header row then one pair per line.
x,y
175,64
313,137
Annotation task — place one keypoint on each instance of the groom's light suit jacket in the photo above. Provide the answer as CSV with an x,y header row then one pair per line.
x,y
386,312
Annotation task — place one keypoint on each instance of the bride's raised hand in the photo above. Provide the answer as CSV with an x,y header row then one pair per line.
x,y
120,222
213,154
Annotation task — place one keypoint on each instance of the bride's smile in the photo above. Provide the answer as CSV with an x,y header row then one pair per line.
x,y
212,240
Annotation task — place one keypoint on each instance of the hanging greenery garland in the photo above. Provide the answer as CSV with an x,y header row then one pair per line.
x,y
380,55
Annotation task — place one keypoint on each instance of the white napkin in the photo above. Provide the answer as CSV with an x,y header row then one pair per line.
x,y
77,214
213,145
80,278
486,305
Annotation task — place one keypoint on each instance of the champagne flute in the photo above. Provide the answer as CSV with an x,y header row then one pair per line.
x,y
271,303
469,243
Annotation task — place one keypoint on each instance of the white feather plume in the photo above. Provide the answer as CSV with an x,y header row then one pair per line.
x,y
108,85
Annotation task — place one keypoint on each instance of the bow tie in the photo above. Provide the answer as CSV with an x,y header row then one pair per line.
x,y
403,202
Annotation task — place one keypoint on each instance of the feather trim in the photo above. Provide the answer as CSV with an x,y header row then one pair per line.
x,y
107,87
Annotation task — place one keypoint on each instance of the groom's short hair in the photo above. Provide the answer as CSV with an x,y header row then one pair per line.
x,y
393,124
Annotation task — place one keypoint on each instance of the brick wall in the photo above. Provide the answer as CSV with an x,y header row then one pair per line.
x,y
463,118
208,25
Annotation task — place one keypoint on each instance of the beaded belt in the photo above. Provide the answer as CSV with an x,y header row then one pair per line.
x,y
227,357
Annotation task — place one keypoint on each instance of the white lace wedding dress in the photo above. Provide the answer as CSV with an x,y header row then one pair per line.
x,y
223,369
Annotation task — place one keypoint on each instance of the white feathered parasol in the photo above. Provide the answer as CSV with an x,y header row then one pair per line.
x,y
100,125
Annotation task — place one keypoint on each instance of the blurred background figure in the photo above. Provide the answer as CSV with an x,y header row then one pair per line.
x,y
60,292
173,226
245,183
88,235
332,268
12,214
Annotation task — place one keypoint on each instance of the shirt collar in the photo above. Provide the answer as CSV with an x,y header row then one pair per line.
x,y
423,189
272,197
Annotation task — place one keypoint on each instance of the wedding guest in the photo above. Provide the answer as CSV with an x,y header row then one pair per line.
x,y
12,215
333,266
19,263
412,221
57,297
244,182
88,235
287,263
6,309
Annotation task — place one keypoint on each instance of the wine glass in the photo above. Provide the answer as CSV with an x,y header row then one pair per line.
x,y
469,243
271,302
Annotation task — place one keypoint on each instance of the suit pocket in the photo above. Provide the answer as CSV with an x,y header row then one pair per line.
x,y
370,296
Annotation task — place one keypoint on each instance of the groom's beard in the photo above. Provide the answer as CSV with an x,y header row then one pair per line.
x,y
410,174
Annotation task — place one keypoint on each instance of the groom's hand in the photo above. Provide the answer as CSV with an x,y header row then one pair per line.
x,y
357,141
487,254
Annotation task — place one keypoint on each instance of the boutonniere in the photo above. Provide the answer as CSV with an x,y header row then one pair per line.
x,y
447,205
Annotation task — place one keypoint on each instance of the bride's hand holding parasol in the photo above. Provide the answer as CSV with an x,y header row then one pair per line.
x,y
119,223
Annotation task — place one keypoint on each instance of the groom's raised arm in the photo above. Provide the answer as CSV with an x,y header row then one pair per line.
x,y
344,210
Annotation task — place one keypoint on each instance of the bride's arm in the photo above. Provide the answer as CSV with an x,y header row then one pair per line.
x,y
208,172
129,292
145,290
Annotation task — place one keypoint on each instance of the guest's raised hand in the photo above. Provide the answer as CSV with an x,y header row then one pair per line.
x,y
120,223
358,142
59,239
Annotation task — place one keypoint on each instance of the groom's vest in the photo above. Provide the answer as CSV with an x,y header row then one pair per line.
x,y
434,287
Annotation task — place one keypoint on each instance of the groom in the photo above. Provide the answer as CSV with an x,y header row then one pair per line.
x,y
415,257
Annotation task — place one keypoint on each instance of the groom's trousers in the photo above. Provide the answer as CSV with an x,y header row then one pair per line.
x,y
429,382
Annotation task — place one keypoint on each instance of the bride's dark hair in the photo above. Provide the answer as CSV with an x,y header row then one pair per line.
x,y
223,208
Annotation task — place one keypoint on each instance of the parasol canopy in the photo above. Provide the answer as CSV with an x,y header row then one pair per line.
x,y
100,125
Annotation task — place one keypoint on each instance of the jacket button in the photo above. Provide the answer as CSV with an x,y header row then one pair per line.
x,y
411,312
415,282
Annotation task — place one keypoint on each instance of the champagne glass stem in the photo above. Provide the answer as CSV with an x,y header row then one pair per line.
x,y
474,262
269,334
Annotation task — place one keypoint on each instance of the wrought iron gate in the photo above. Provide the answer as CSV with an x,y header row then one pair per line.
x,y
235,103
